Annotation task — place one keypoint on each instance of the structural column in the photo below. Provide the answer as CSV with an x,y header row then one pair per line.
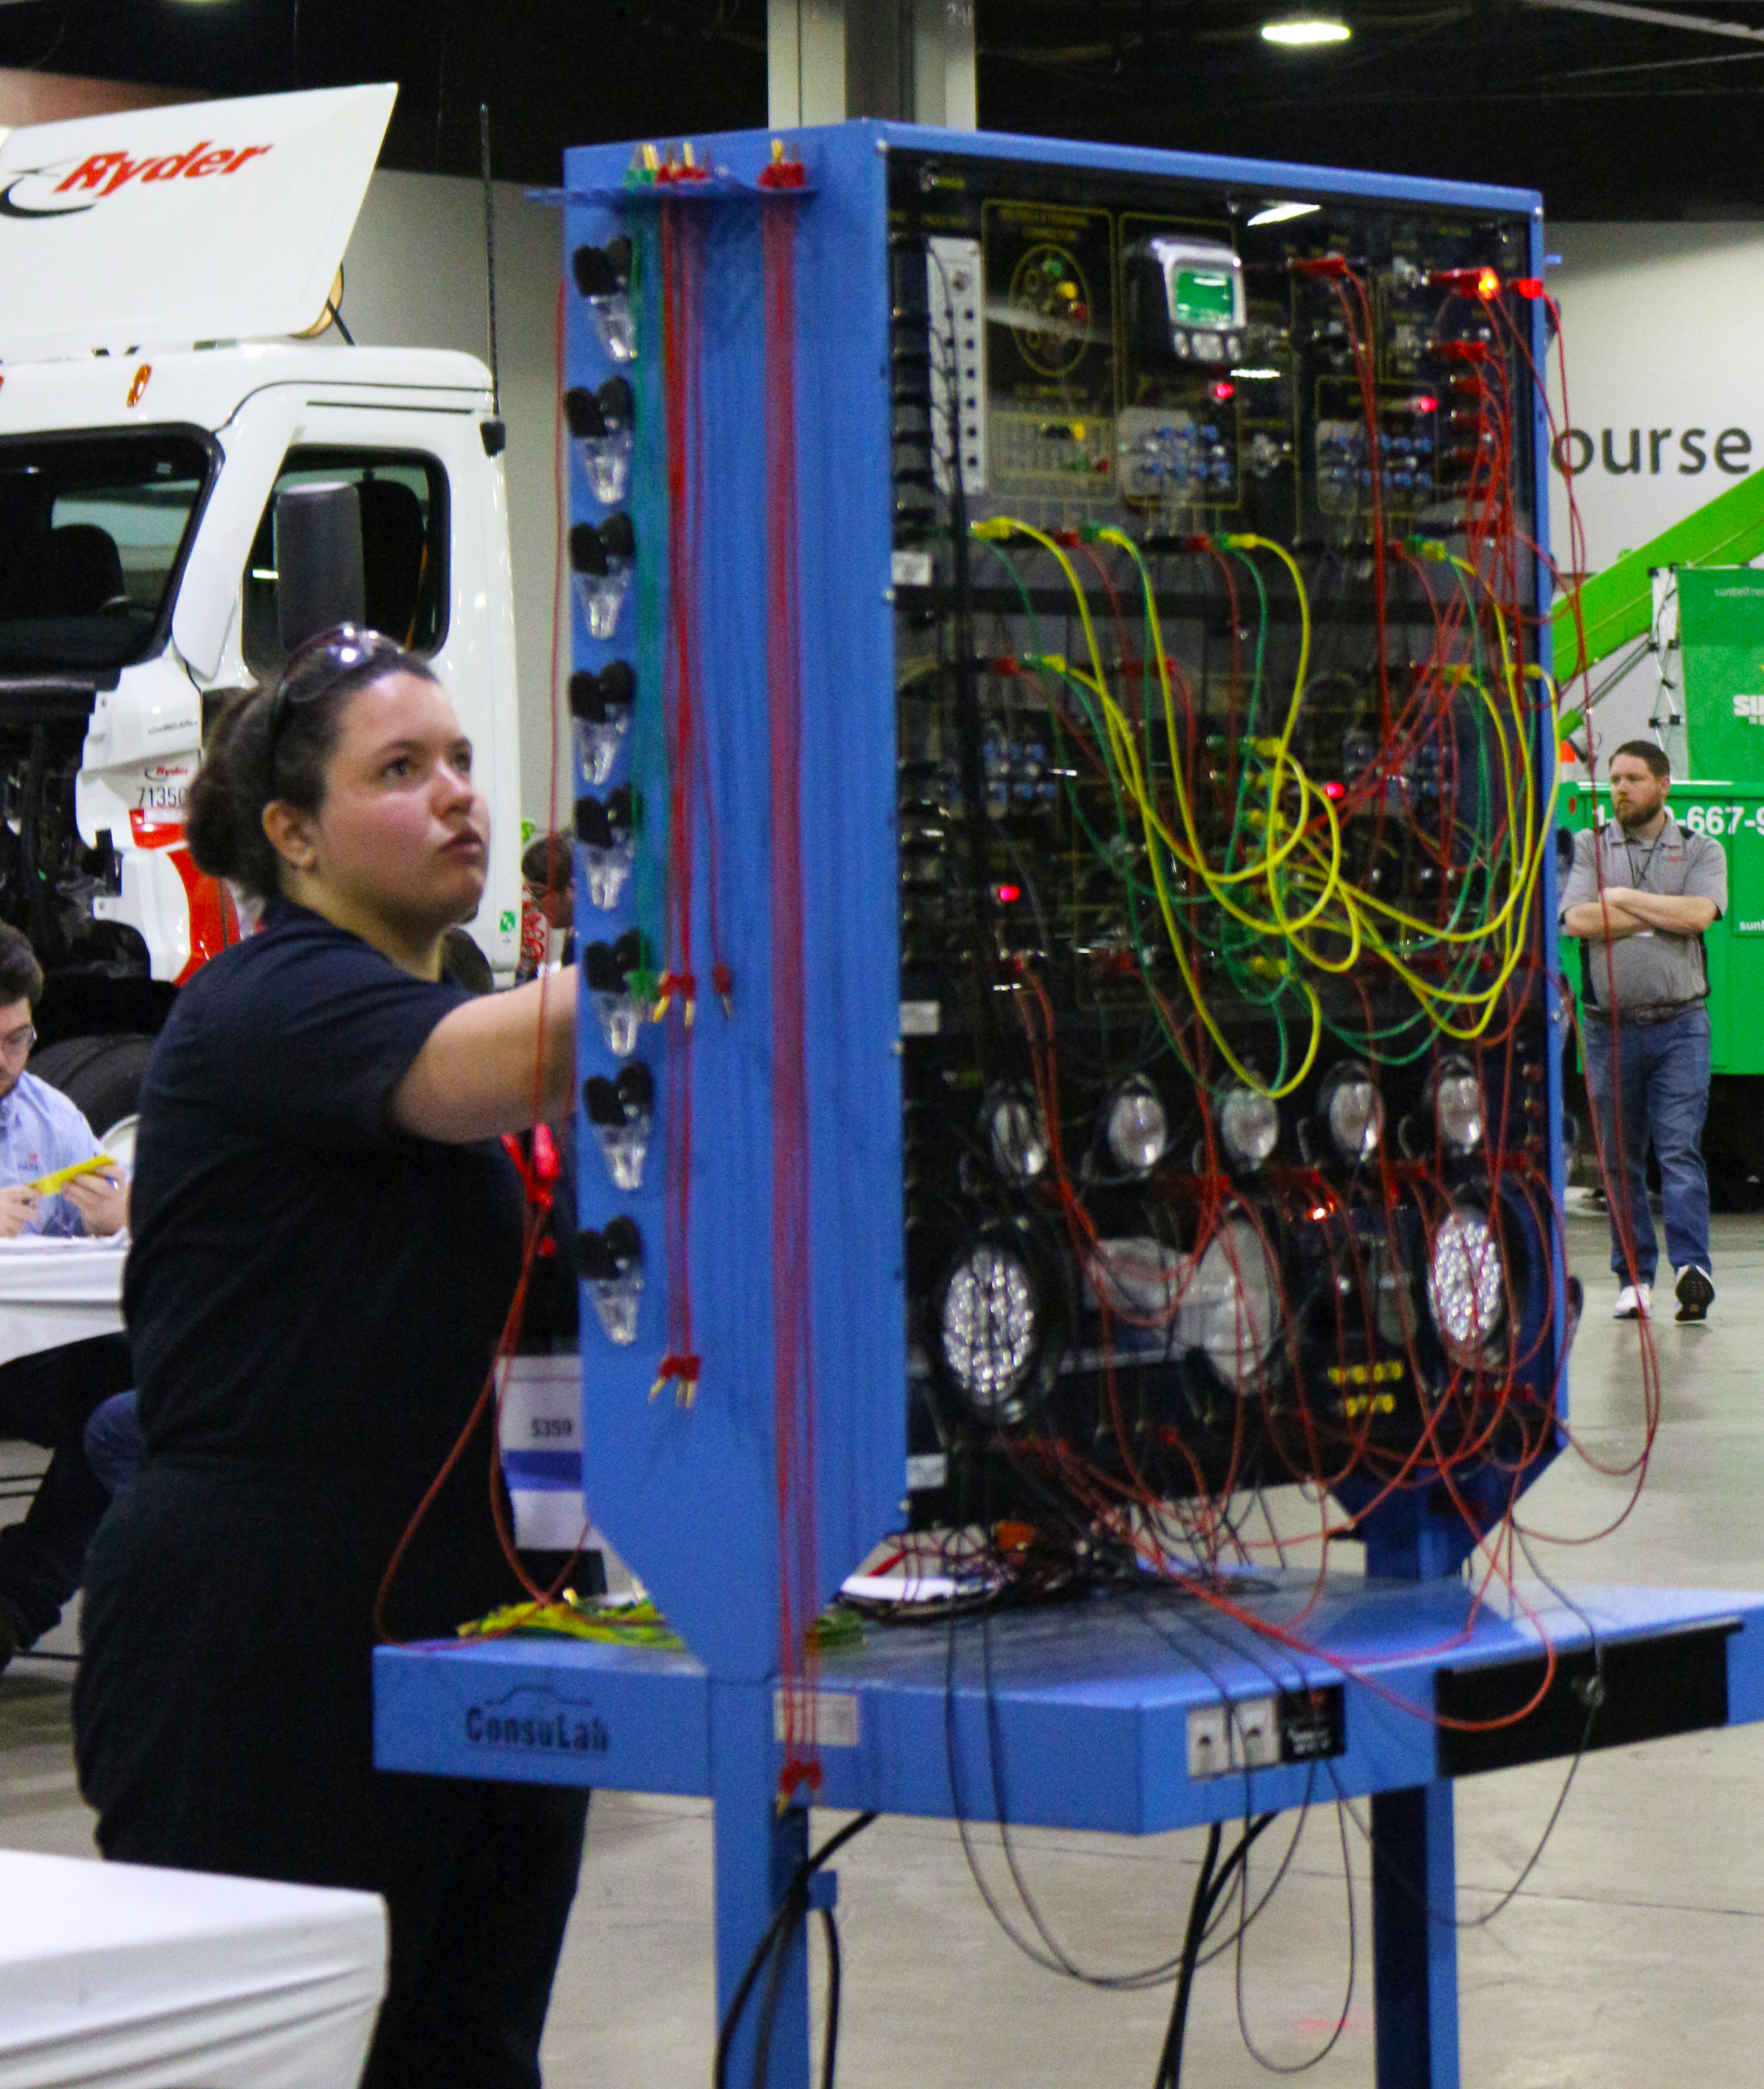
x,y
908,61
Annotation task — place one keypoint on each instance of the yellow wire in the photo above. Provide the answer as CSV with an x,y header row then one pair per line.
x,y
1342,909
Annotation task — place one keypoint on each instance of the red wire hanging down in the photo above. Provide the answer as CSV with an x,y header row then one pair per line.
x,y
682,254
792,1379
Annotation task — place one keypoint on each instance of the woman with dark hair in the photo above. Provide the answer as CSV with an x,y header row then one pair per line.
x,y
326,1242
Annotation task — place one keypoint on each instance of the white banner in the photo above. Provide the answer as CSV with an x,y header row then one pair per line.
x,y
208,220
1662,324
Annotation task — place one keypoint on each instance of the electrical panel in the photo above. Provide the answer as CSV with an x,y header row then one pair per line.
x,y
1108,586
1237,634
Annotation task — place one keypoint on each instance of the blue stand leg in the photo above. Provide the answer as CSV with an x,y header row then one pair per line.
x,y
1414,1866
1415,1956
758,1850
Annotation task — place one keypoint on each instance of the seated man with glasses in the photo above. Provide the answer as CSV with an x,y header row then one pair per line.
x,y
46,1398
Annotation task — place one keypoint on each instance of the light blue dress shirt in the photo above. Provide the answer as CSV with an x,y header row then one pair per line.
x,y
41,1130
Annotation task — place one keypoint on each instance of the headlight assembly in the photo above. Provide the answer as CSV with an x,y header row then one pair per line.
x,y
1466,1286
989,1326
1229,1311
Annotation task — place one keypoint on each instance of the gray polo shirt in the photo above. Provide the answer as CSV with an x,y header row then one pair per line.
x,y
1653,968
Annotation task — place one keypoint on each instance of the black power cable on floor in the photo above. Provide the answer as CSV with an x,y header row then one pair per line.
x,y
771,1955
1209,1889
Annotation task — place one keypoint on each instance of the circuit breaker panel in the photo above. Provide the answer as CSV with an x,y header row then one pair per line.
x,y
1060,702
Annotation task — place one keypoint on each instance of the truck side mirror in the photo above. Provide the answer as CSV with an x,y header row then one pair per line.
x,y
320,576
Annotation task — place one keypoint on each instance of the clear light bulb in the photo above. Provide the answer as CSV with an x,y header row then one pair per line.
x,y
1354,1114
598,743
609,845
600,718
606,968
1018,1138
601,562
620,1020
607,872
600,425
602,597
1458,1105
603,276
610,1265
622,1113
1137,1130
617,1300
1249,1125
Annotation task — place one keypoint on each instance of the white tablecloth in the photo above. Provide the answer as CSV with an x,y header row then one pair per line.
x,y
142,1979
57,1291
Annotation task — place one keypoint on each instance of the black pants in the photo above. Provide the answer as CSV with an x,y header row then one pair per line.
x,y
46,1399
223,1722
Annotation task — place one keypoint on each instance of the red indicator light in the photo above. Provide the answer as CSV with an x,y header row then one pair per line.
x,y
1221,391
1008,894
1427,404
1335,791
1488,284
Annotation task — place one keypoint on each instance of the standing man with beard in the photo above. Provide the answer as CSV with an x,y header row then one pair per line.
x,y
1640,893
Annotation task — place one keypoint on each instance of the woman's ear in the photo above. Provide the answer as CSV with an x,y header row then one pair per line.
x,y
292,835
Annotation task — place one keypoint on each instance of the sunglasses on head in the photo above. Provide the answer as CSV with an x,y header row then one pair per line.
x,y
318,664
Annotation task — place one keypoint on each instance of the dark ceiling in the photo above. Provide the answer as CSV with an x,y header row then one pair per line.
x,y
1612,118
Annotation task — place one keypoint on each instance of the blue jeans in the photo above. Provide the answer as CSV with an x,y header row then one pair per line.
x,y
112,1441
1661,1093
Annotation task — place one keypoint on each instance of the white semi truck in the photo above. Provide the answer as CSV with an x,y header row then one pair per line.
x,y
169,365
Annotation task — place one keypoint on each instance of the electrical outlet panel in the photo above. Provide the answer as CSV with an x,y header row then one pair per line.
x,y
1260,1733
956,303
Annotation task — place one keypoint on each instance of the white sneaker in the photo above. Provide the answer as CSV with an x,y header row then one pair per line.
x,y
1635,1301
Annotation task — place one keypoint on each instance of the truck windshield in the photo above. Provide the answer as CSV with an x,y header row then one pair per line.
x,y
93,529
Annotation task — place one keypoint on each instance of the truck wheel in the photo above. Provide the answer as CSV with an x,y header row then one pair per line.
x,y
100,1076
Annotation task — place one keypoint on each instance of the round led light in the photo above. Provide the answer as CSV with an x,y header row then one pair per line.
x,y
1136,1130
1249,1124
1354,1113
988,1325
1018,1137
1227,1311
1458,1104
1466,1283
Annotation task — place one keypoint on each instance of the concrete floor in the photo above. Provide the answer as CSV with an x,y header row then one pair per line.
x,y
1630,1959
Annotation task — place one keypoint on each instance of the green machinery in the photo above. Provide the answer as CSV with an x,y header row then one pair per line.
x,y
1688,600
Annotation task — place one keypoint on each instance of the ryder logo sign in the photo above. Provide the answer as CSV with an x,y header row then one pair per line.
x,y
70,188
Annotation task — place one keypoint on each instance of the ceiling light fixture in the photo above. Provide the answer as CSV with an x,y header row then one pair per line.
x,y
1277,213
1299,30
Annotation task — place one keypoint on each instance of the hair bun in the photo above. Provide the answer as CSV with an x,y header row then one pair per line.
x,y
210,826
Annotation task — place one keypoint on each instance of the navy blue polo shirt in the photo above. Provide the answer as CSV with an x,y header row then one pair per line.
x,y
308,1288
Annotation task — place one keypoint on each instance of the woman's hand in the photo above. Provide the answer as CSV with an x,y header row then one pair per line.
x,y
102,1201
474,1077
